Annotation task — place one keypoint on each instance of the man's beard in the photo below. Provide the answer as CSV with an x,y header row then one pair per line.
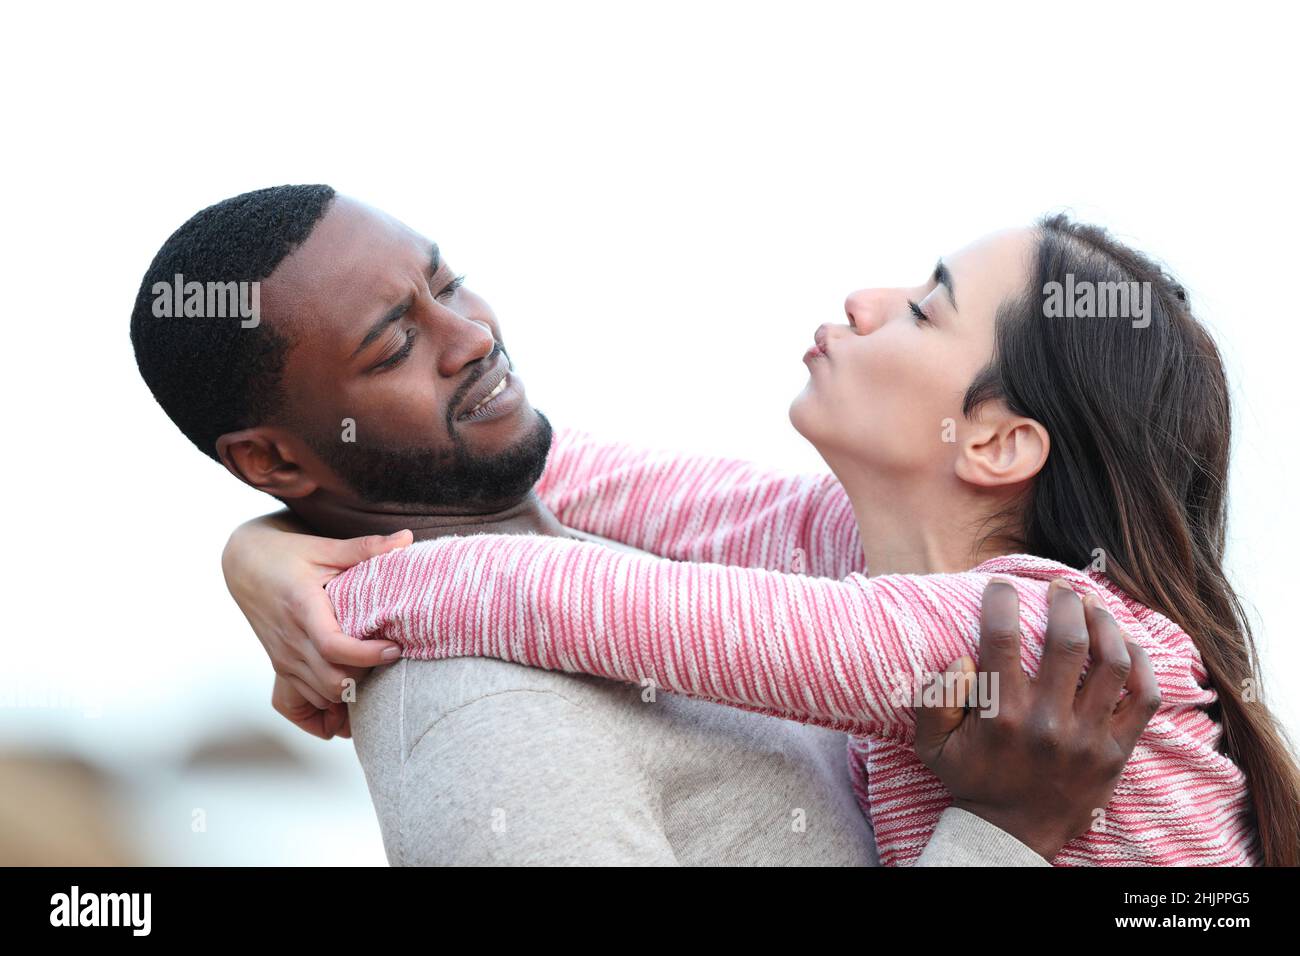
x,y
454,480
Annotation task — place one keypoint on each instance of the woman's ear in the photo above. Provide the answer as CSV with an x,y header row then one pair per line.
x,y
1002,451
264,460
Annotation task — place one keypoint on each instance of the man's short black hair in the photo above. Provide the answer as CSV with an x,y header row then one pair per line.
x,y
216,375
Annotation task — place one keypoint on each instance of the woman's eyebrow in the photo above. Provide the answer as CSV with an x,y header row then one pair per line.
x,y
944,278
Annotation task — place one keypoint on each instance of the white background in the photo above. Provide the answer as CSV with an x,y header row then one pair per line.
x,y
661,201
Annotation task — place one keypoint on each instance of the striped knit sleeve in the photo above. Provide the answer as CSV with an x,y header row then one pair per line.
x,y
844,654
701,508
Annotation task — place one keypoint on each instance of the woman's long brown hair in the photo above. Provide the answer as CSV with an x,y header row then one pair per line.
x,y
1138,413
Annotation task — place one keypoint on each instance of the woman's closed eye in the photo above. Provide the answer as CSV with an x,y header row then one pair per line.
x,y
917,312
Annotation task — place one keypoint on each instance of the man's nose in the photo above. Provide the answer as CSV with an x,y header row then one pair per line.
x,y
466,341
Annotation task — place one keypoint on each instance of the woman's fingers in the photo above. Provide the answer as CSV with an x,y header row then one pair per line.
x,y
334,721
329,646
277,578
1110,665
305,690
324,678
338,648
294,707
294,701
335,647
316,640
345,553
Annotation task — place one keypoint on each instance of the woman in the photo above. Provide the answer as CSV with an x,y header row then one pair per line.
x,y
975,432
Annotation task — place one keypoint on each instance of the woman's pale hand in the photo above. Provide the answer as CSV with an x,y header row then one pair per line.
x,y
278,578
334,720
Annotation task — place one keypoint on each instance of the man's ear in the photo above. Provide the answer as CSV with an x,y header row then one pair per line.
x,y
263,459
1002,450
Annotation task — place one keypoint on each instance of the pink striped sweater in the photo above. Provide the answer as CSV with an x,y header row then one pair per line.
x,y
775,614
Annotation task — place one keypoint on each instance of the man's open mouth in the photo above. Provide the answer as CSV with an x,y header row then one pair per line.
x,y
489,386
501,387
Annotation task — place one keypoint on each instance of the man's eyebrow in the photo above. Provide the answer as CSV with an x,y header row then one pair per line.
x,y
397,311
944,278
387,319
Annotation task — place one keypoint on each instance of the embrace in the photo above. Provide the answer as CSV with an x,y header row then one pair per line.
x,y
555,648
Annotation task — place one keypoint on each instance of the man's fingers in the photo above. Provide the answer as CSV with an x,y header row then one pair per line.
x,y
1109,668
1143,700
1065,646
1000,635
344,554
934,724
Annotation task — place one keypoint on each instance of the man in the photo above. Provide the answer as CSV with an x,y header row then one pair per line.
x,y
371,394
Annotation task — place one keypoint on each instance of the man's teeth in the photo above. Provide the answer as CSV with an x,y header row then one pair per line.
x,y
501,386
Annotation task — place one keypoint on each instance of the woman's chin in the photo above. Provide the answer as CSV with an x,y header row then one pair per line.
x,y
807,419
799,411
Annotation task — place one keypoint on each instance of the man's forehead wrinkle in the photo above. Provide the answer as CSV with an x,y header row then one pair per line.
x,y
355,265
295,292
353,280
352,232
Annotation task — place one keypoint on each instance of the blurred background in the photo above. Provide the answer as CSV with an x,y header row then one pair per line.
x,y
661,201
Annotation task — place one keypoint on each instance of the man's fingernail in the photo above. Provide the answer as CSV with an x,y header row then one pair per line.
x,y
392,653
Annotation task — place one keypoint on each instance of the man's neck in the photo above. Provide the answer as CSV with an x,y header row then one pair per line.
x,y
526,516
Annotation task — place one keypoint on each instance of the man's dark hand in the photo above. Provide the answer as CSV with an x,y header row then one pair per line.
x,y
1047,762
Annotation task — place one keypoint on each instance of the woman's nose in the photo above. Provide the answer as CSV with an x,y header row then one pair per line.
x,y
861,309
867,309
